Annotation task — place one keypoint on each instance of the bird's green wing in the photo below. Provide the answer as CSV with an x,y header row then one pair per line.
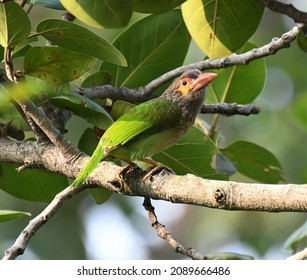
x,y
147,118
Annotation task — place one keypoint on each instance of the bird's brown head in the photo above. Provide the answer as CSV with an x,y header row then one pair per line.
x,y
194,80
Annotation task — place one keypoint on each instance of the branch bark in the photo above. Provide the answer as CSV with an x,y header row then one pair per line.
x,y
188,189
286,9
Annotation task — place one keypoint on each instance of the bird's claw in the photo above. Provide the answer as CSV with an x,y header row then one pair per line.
x,y
125,169
156,169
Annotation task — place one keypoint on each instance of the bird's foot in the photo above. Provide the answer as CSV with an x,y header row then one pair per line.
x,y
156,169
125,169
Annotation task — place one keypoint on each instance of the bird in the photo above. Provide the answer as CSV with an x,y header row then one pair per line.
x,y
152,126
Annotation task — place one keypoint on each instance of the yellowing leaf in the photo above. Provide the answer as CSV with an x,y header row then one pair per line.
x,y
56,65
98,13
220,27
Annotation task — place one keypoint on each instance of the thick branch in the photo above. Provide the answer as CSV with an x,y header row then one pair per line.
x,y
187,189
146,92
286,9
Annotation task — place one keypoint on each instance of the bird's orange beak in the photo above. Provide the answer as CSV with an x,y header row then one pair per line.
x,y
202,80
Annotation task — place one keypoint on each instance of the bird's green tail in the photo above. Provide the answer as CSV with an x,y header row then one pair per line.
x,y
97,156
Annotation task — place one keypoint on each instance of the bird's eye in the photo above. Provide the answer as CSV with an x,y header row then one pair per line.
x,y
184,83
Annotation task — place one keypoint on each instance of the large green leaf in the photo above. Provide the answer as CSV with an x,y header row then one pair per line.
x,y
56,65
152,46
85,108
220,27
8,215
156,6
15,25
302,41
241,84
298,235
97,79
77,38
255,162
31,184
97,13
192,154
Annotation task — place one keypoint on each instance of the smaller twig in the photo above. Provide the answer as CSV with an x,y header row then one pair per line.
x,y
29,8
35,224
230,109
24,167
8,63
54,135
286,9
299,256
122,93
164,234
68,17
54,117
9,130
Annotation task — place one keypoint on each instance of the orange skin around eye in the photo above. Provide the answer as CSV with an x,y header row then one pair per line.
x,y
184,86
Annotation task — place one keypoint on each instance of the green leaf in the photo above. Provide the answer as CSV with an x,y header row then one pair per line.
x,y
302,41
240,84
255,162
56,65
85,108
52,4
152,46
298,235
88,141
97,79
192,154
77,38
97,13
220,27
15,25
31,184
8,215
225,166
100,195
298,109
87,144
155,6
20,92
120,108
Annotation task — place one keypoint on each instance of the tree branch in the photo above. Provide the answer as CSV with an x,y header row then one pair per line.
x,y
299,256
229,109
286,9
146,92
164,234
187,189
54,135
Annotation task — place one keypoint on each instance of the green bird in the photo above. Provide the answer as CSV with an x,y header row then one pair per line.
x,y
152,126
